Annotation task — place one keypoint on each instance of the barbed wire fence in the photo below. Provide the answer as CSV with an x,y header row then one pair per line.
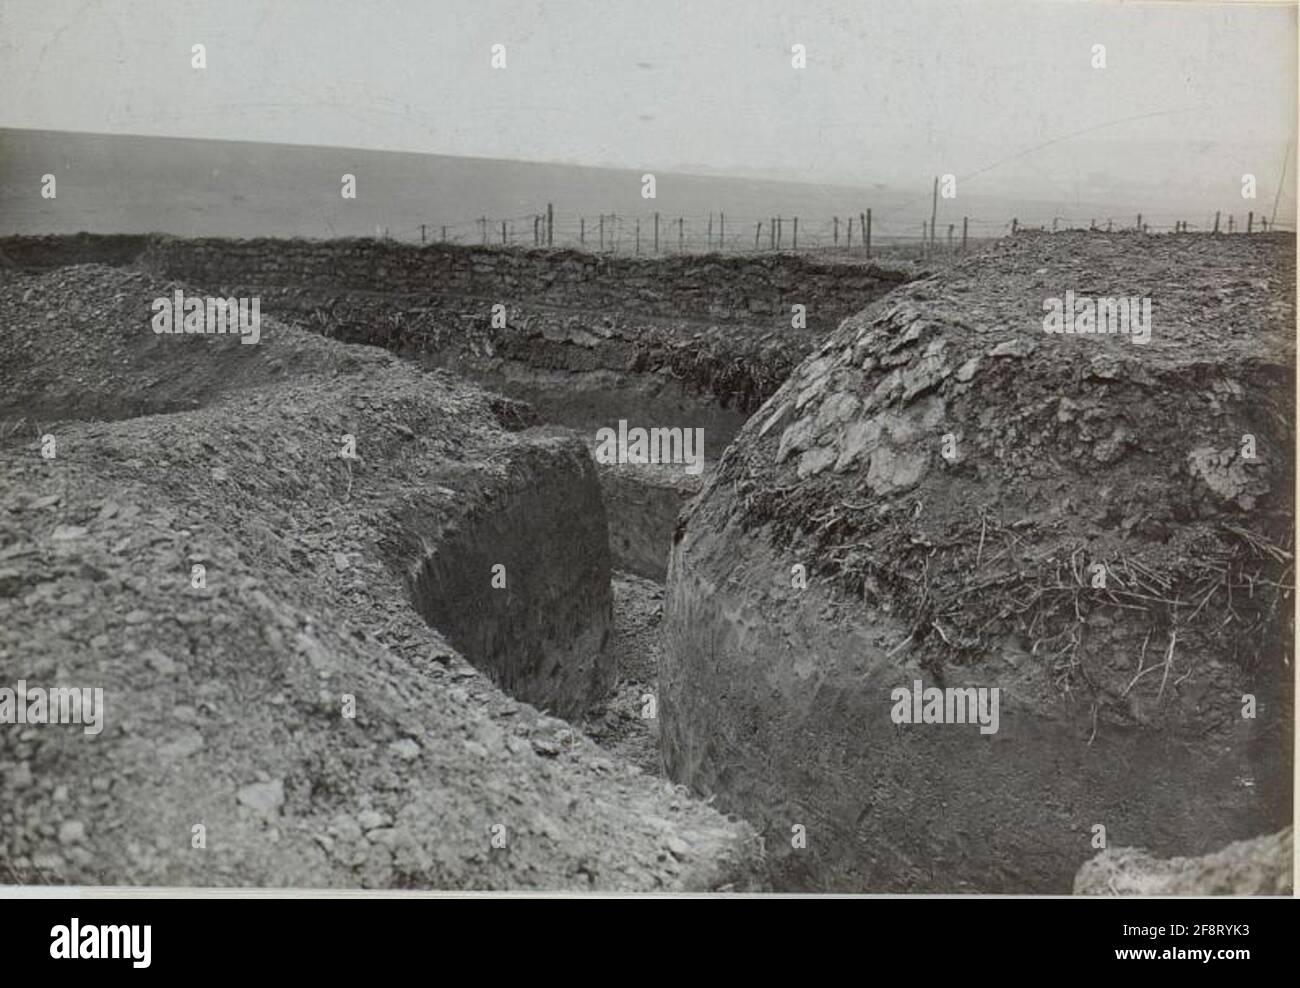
x,y
863,233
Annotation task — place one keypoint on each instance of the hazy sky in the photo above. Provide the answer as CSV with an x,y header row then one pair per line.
x,y
1192,95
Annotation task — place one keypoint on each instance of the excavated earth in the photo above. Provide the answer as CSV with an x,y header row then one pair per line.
x,y
1102,530
1261,866
584,339
949,477
340,695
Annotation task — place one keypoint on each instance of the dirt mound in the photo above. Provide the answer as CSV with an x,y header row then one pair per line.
x,y
1099,528
275,710
1250,867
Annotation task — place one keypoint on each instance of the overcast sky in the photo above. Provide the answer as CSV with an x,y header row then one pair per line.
x,y
1192,95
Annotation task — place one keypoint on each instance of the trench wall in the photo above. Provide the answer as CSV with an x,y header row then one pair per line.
x,y
588,339
714,287
536,623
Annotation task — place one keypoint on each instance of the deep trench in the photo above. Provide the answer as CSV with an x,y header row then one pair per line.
x,y
592,662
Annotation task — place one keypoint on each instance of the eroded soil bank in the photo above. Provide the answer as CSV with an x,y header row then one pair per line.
x,y
944,493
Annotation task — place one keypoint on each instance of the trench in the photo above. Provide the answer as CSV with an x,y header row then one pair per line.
x,y
580,632
574,630
444,494
537,623
546,638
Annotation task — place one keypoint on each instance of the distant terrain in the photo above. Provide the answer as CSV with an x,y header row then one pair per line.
x,y
127,184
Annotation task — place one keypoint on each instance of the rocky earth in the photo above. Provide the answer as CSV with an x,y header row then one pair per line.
x,y
365,688
310,675
944,493
626,722
586,339
1250,867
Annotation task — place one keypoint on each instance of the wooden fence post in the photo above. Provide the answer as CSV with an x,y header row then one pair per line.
x,y
1250,222
867,227
796,233
965,221
934,211
656,233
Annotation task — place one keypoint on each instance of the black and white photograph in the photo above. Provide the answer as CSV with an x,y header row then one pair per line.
x,y
595,448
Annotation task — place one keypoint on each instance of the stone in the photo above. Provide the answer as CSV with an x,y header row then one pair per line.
x,y
72,832
967,370
796,438
858,442
924,375
372,819
839,407
162,663
184,745
775,418
816,460
892,471
264,798
405,749
1013,348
